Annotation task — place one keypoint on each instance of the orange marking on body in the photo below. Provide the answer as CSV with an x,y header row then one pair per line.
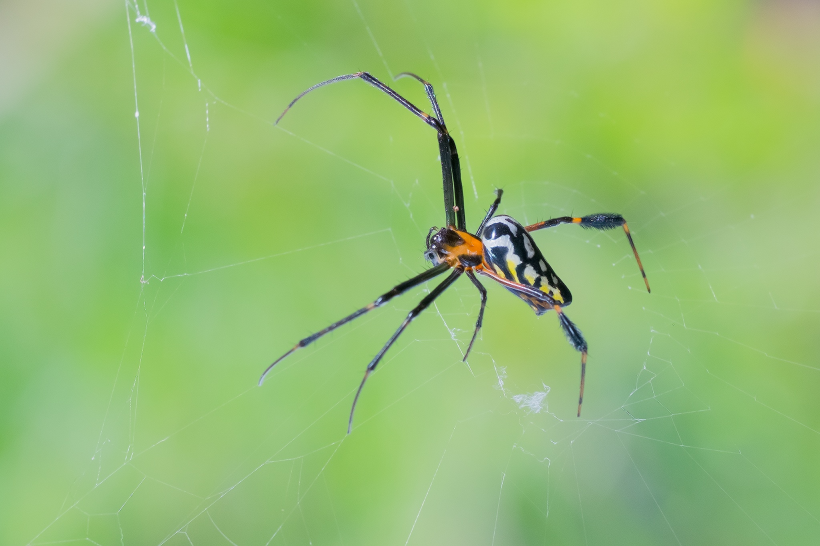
x,y
583,376
576,220
637,258
471,246
489,270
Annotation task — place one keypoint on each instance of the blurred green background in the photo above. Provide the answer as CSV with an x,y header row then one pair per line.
x,y
129,412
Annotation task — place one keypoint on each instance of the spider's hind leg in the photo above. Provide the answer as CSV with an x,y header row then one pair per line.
x,y
601,221
576,339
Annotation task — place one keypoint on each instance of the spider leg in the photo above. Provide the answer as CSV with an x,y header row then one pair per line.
x,y
428,299
450,170
478,322
431,121
381,300
428,88
491,211
602,221
574,335
576,339
447,149
529,291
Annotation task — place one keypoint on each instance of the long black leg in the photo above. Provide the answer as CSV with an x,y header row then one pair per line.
x,y
431,94
602,221
431,121
458,189
447,177
478,322
447,148
576,339
574,336
450,170
381,300
428,299
491,212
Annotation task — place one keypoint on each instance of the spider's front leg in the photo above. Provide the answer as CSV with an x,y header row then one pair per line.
x,y
428,299
450,166
381,300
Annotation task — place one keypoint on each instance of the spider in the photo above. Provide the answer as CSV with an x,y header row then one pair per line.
x,y
500,248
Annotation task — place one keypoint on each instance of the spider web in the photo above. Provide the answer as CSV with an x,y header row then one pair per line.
x,y
699,424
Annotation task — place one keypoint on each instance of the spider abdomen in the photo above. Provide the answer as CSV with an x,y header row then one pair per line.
x,y
513,255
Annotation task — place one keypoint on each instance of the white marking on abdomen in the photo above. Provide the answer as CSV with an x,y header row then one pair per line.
x,y
504,242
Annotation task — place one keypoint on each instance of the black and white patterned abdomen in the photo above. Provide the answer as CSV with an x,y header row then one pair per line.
x,y
512,253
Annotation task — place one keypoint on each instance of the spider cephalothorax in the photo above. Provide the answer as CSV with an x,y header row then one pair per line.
x,y
501,248
455,248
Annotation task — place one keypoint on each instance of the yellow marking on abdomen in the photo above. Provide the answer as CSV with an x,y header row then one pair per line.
x,y
556,294
511,266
